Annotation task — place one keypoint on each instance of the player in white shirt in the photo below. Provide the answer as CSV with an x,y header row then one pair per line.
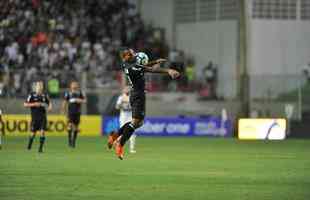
x,y
123,105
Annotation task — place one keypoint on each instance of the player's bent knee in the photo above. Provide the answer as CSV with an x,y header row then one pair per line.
x,y
138,124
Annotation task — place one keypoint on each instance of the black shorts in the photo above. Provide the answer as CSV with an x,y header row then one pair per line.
x,y
74,118
137,102
39,124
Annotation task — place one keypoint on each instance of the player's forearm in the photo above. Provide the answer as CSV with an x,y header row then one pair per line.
x,y
158,70
151,63
29,105
63,107
50,106
81,101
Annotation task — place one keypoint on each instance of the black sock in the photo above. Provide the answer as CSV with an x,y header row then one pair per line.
x,y
75,133
70,137
121,130
42,140
31,138
128,130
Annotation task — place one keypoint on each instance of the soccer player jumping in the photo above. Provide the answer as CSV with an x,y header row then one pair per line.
x,y
135,76
37,101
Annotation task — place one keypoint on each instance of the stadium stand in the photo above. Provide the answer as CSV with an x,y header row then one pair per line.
x,y
35,43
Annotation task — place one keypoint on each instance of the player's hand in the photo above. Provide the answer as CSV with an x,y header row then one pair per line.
x,y
160,60
173,73
37,104
49,108
79,100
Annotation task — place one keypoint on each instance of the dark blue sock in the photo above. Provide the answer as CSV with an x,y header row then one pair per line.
x,y
128,130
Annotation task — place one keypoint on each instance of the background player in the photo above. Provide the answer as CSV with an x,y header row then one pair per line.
x,y
72,107
135,76
123,105
37,101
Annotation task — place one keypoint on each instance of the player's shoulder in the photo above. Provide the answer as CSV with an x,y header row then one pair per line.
x,y
45,96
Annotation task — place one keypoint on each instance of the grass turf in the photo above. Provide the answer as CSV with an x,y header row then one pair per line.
x,y
163,168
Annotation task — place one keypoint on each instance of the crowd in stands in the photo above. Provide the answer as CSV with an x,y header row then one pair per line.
x,y
60,39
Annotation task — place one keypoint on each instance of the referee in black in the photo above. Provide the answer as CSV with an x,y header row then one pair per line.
x,y
38,102
73,99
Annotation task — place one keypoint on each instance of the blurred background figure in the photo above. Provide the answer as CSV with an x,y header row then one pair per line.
x,y
210,73
123,105
72,106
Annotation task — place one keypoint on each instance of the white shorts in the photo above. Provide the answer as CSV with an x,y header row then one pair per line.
x,y
124,117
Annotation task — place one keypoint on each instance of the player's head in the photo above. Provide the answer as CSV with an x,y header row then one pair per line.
x,y
38,87
127,54
74,85
126,90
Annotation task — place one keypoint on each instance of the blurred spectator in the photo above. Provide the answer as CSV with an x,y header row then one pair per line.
x,y
190,73
210,73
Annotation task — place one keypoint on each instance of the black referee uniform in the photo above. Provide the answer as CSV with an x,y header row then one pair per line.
x,y
74,114
38,116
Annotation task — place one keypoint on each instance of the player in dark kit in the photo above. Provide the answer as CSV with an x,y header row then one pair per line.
x,y
135,76
37,102
72,106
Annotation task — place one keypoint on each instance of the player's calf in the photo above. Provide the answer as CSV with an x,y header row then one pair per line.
x,y
42,141
30,141
112,138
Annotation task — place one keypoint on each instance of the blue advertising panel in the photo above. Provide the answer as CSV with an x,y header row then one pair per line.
x,y
176,126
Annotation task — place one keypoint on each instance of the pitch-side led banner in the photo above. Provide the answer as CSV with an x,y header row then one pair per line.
x,y
176,126
262,129
57,125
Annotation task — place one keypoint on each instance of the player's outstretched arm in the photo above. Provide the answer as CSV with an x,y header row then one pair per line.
x,y
171,72
155,62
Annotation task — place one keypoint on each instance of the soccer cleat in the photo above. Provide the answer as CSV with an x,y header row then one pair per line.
x,y
112,138
40,151
119,150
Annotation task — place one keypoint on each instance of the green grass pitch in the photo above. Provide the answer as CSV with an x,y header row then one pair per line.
x,y
163,169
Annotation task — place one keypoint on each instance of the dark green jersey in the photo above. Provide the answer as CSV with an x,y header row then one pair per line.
x,y
135,75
